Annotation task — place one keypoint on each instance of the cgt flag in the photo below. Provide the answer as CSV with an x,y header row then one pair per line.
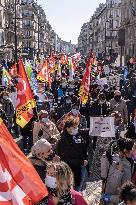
x,y
25,98
19,182
85,85
43,73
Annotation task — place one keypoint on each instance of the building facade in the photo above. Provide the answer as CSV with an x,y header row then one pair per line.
x,y
29,27
128,22
101,33
2,28
34,33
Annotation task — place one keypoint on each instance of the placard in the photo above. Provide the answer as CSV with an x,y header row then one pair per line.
x,y
114,81
102,126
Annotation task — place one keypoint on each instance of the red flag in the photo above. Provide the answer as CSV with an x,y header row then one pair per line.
x,y
19,182
43,73
85,85
25,98
51,63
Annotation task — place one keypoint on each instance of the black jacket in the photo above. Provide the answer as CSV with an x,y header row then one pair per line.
x,y
40,167
98,110
3,116
72,150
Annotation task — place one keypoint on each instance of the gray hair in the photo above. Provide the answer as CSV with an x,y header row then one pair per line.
x,y
39,147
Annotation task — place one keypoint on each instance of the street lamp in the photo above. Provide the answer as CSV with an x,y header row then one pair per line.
x,y
107,21
15,29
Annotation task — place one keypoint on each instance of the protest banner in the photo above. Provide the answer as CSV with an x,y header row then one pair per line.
x,y
102,126
101,82
20,184
114,81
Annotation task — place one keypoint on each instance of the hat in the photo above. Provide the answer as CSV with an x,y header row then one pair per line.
x,y
42,112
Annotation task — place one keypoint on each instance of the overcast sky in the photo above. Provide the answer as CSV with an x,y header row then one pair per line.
x,y
67,16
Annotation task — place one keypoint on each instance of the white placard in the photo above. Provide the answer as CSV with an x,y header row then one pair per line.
x,y
106,69
102,126
114,80
101,82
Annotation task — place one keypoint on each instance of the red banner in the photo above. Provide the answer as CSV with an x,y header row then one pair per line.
x,y
19,182
25,98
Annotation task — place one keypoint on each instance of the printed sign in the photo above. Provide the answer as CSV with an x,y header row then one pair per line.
x,y
102,126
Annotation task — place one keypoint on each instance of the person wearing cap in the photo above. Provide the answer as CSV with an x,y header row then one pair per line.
x,y
118,104
44,128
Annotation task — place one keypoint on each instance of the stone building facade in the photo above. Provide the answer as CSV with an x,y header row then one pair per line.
x,y
101,32
2,24
128,22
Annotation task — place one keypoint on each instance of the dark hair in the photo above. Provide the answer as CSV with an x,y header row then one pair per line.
x,y
128,192
70,122
102,96
125,144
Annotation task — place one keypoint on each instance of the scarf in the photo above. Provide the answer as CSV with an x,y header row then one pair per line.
x,y
66,199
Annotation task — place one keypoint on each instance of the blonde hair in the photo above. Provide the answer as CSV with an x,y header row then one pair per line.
x,y
39,147
63,173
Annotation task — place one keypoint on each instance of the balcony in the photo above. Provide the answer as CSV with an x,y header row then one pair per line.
x,y
29,38
28,15
28,26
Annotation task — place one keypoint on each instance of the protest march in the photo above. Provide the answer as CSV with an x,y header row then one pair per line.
x,y
68,115
75,130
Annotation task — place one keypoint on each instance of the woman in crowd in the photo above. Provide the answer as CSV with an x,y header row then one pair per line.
x,y
116,170
59,182
41,154
128,194
72,149
73,113
44,128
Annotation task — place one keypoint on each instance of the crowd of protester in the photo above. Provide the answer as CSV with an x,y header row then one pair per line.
x,y
57,140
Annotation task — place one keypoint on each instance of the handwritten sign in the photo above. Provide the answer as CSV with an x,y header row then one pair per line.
x,y
102,126
114,81
106,69
101,81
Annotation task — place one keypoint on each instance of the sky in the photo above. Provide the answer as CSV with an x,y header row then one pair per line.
x,y
67,16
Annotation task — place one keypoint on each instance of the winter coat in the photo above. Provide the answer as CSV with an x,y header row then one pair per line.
x,y
47,132
8,107
3,116
121,107
72,151
60,93
115,178
40,167
97,110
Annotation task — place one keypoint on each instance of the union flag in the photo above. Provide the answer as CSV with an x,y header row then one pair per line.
x,y
25,98
19,182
